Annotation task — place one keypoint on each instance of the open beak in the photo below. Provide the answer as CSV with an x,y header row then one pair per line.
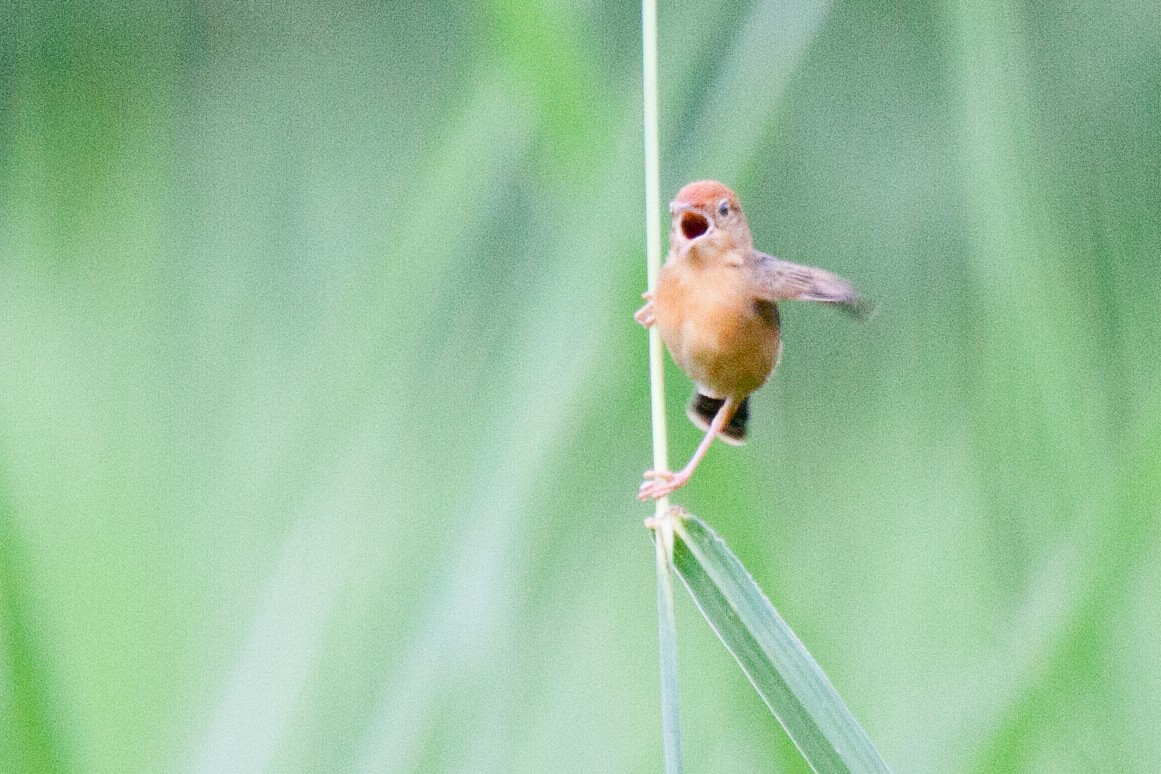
x,y
690,222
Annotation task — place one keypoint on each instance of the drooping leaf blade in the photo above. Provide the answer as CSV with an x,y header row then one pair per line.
x,y
777,663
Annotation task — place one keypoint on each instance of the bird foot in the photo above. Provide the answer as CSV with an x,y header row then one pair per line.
x,y
659,483
644,315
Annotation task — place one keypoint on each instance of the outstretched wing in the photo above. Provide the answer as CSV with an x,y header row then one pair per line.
x,y
779,280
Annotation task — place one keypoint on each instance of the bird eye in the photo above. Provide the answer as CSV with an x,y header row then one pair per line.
x,y
724,208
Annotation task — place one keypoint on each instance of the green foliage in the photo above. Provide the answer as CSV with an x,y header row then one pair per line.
x,y
781,669
322,409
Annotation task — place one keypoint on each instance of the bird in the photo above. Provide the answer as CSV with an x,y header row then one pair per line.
x,y
716,308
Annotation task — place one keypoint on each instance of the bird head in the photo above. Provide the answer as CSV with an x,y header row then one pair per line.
x,y
708,218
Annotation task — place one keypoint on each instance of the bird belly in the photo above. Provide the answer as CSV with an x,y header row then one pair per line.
x,y
720,339
732,356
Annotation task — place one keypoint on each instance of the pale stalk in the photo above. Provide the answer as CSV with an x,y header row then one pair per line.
x,y
653,252
662,524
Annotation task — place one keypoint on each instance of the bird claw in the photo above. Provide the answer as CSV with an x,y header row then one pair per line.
x,y
644,315
659,483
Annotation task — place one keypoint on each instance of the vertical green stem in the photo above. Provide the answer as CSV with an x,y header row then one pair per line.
x,y
653,237
667,642
666,625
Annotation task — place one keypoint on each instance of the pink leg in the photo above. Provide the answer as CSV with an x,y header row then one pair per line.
x,y
659,483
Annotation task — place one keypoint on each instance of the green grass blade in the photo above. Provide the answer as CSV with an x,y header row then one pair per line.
x,y
781,669
667,642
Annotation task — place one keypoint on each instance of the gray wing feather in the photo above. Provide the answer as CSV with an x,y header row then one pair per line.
x,y
779,280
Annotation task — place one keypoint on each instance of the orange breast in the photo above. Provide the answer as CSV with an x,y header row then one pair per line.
x,y
713,328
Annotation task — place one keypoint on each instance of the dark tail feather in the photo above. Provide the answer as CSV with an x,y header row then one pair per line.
x,y
702,410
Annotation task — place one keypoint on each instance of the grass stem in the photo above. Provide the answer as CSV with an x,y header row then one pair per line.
x,y
663,526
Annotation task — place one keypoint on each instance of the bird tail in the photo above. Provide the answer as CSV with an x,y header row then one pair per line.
x,y
702,410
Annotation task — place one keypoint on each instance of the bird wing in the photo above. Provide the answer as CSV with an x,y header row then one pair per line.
x,y
779,280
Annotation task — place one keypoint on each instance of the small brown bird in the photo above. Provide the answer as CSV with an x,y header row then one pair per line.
x,y
716,308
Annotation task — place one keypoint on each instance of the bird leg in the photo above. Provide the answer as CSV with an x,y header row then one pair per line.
x,y
659,483
644,315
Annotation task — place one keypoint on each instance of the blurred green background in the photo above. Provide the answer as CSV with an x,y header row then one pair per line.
x,y
322,408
